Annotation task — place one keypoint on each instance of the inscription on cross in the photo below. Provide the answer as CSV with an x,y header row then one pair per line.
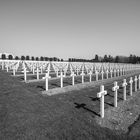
x,y
115,89
101,95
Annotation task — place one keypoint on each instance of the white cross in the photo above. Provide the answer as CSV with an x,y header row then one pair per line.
x,y
47,80
118,72
139,81
114,73
107,74
102,72
135,83
33,68
96,72
124,88
131,82
111,73
61,78
25,75
37,72
14,71
72,74
77,70
115,88
82,74
90,73
101,95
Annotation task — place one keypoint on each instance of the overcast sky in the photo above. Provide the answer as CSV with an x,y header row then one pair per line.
x,y
70,28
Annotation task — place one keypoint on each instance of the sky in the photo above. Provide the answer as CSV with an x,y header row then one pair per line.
x,y
70,28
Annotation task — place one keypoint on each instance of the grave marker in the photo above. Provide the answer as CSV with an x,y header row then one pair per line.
x,y
73,75
135,83
61,78
82,74
47,80
96,73
131,82
139,81
90,74
124,88
102,72
101,95
115,89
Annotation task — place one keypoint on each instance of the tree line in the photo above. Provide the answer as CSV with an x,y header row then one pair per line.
x,y
10,57
107,58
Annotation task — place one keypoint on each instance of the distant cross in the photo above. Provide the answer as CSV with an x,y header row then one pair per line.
x,y
107,74
61,78
14,71
82,74
139,81
33,69
115,89
111,73
77,71
96,73
90,74
124,88
47,80
102,72
114,72
25,75
135,83
101,95
37,72
118,72
131,82
73,75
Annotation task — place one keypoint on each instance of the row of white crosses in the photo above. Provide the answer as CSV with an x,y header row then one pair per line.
x,y
103,92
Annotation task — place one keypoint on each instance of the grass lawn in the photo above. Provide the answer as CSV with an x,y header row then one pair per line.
x,y
26,114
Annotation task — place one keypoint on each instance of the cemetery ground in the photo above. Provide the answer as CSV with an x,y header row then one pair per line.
x,y
27,114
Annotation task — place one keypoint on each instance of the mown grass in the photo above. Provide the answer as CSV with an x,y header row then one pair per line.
x,y
26,114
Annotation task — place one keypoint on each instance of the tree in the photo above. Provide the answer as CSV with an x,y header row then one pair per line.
x,y
41,58
16,58
117,59
37,58
22,57
10,57
27,57
96,58
32,58
46,59
105,58
3,56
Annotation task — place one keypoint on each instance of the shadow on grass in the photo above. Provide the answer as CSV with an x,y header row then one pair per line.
x,y
41,87
78,106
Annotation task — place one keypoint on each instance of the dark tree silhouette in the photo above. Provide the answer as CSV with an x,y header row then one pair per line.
x,y
41,58
22,57
3,56
32,58
10,57
27,57
16,58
